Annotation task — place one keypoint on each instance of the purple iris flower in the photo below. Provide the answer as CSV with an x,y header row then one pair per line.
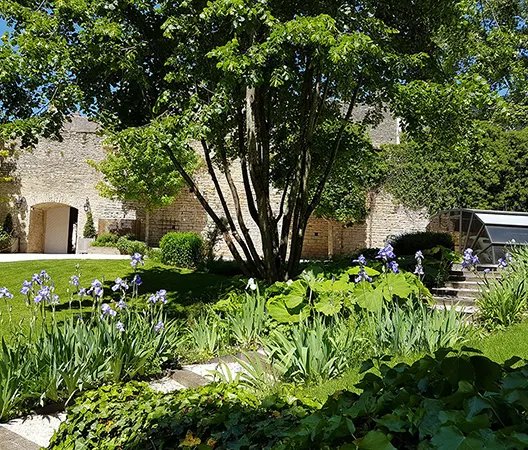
x,y
121,304
418,270
107,310
44,276
120,284
120,327
158,327
74,280
45,294
97,288
361,260
82,292
159,296
137,258
419,257
4,292
468,259
136,280
26,287
386,253
362,276
393,265
36,278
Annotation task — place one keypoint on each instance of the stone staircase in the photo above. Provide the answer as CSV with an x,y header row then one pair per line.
x,y
463,286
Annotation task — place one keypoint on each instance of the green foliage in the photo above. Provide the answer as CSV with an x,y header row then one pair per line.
x,y
415,328
52,362
481,171
106,240
7,227
128,247
329,295
263,85
181,249
135,168
313,351
5,240
504,300
89,227
451,400
247,324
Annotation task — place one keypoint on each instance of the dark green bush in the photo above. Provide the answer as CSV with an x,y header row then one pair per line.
x,y
5,240
106,240
8,224
409,244
129,247
181,249
448,401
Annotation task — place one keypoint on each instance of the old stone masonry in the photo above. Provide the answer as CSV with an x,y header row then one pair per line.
x,y
53,187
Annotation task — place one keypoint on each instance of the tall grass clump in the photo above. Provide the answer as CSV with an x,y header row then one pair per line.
x,y
415,328
504,299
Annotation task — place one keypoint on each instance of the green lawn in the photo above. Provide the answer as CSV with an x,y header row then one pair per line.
x,y
185,288
498,346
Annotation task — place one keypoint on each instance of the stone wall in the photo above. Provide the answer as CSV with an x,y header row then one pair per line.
x,y
327,238
57,173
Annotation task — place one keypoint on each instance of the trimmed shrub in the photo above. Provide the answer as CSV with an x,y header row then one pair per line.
x,y
106,240
410,243
89,227
129,247
181,249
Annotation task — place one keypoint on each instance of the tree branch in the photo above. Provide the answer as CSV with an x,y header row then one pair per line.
x,y
205,204
229,217
322,182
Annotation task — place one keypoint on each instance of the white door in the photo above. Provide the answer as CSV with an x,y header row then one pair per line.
x,y
57,225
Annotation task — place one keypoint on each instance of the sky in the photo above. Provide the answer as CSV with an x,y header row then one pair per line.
x,y
3,27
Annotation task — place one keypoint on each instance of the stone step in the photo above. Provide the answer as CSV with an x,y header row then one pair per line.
x,y
464,284
450,301
455,292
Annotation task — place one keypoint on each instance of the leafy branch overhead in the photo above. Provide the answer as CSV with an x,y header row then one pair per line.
x,y
267,88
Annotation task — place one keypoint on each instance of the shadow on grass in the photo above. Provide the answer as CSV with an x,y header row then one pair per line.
x,y
187,291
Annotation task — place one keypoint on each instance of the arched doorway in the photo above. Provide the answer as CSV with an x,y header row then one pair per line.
x,y
52,228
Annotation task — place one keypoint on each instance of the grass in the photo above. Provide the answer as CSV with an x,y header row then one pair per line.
x,y
186,290
502,345
498,346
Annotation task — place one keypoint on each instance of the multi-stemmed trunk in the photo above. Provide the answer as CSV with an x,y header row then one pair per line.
x,y
282,227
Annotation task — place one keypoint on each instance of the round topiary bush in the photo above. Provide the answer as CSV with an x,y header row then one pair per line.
x,y
181,249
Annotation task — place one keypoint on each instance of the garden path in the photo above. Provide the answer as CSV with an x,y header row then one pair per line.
x,y
14,257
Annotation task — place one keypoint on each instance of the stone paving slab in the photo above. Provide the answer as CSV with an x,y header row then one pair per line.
x,y
37,429
12,441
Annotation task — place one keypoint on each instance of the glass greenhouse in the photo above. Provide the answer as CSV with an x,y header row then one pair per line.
x,y
486,232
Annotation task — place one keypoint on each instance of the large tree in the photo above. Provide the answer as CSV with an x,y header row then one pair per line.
x,y
266,84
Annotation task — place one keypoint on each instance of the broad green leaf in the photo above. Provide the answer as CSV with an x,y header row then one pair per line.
x,y
374,440
369,270
328,305
371,300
